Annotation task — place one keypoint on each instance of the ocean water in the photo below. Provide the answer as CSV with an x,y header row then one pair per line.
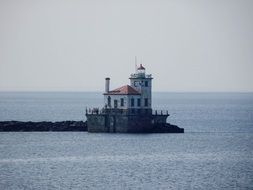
x,y
215,152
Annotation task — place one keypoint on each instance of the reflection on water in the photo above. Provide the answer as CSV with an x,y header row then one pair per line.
x,y
79,160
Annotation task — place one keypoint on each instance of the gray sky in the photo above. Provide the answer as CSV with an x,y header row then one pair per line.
x,y
188,45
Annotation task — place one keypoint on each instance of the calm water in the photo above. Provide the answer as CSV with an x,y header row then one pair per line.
x,y
215,152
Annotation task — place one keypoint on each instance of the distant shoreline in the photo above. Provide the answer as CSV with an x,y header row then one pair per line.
x,y
29,126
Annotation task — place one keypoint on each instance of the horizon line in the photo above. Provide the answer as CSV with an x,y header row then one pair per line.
x,y
78,91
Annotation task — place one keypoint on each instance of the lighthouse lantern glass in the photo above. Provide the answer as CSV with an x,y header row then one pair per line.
x,y
141,71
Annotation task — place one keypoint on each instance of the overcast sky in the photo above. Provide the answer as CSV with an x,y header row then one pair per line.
x,y
188,45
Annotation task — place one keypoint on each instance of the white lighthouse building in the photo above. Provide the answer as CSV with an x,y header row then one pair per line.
x,y
136,97
128,109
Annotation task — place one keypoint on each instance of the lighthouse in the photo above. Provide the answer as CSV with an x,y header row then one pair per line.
x,y
142,82
133,98
128,109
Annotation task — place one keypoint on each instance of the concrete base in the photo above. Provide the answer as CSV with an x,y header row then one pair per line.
x,y
130,123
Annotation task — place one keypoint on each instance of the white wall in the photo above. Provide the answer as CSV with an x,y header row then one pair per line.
x,y
127,100
146,92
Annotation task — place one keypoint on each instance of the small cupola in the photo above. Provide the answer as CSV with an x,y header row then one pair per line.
x,y
141,70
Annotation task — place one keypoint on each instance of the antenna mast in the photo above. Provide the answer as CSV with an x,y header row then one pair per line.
x,y
135,64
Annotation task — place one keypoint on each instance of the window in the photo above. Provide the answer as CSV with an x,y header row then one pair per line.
x,y
115,103
139,102
121,102
146,83
132,102
146,102
109,101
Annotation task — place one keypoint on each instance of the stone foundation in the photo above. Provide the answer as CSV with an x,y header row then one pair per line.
x,y
123,122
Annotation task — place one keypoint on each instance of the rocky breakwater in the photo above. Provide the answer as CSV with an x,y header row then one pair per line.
x,y
43,126
167,128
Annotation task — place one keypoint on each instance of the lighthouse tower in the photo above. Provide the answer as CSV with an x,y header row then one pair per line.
x,y
143,84
128,109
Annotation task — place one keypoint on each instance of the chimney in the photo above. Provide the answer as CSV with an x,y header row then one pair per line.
x,y
107,85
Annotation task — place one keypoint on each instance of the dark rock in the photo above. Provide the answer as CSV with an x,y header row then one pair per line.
x,y
43,126
167,128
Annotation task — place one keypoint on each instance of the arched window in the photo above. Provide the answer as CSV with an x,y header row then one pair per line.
x,y
132,102
109,101
139,102
115,103
146,102
122,102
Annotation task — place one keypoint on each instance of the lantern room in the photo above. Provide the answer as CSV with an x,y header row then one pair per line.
x,y
141,71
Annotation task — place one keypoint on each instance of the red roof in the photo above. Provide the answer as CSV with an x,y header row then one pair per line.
x,y
124,90
141,67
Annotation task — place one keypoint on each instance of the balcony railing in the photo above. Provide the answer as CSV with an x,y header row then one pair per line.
x,y
97,111
140,75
